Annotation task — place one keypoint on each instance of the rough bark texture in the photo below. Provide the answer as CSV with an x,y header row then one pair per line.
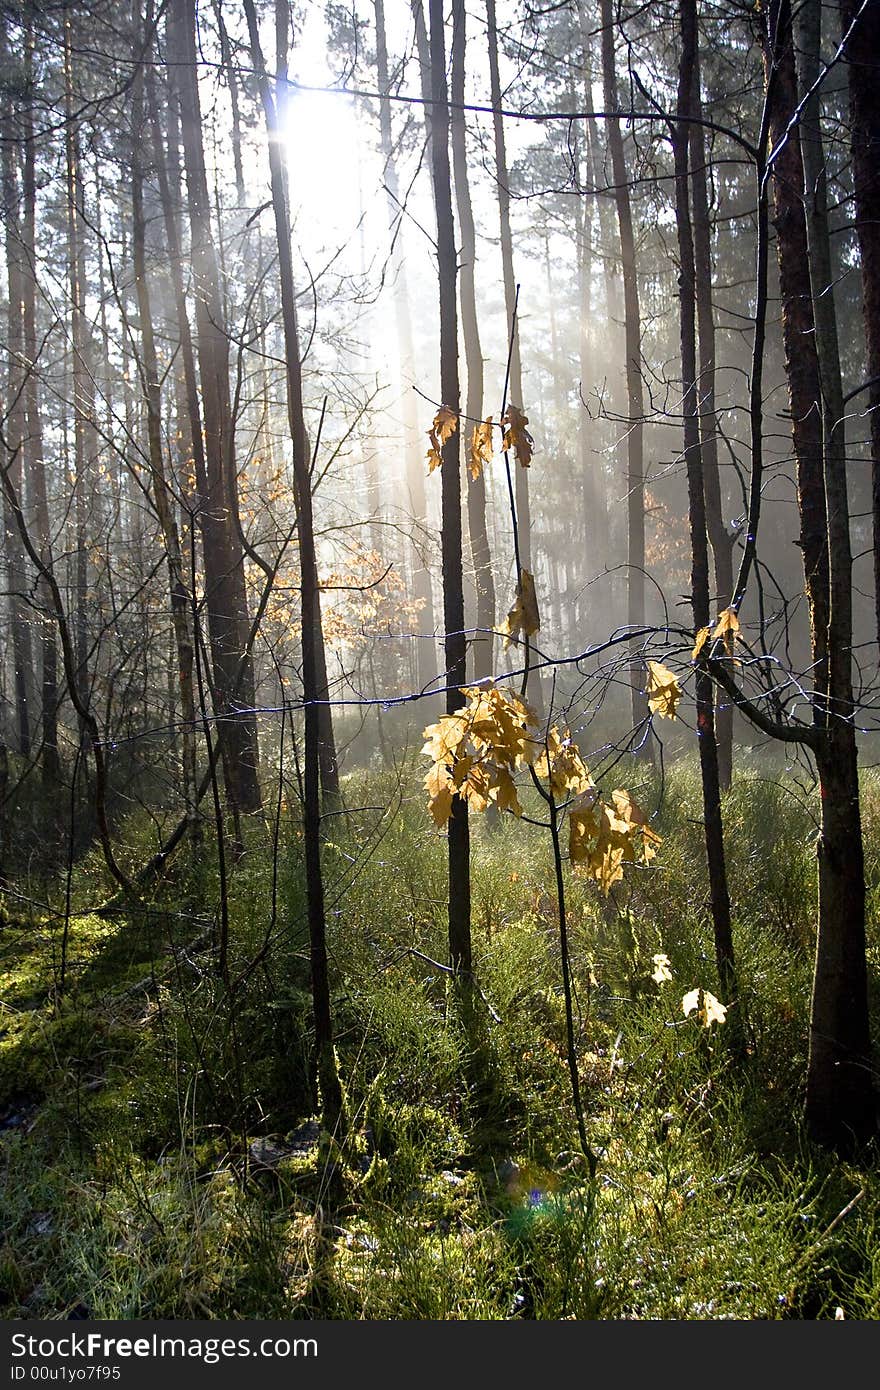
x,y
863,59
226,598
453,588
840,1104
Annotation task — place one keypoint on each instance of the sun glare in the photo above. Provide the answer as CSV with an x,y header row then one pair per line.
x,y
328,161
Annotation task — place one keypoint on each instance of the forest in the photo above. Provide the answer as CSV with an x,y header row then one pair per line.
x,y
440,659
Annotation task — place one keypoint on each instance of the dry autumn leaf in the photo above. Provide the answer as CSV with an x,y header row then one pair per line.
x,y
523,617
699,644
727,628
516,436
445,424
708,1009
663,690
481,447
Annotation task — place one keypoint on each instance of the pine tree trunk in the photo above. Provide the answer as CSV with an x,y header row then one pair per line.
x,y
720,540
450,481
635,476
313,693
840,1105
422,586
863,70
713,827
162,498
226,597
482,644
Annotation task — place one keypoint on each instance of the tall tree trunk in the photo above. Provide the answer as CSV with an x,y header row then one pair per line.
x,y
840,1105
721,541
482,646
713,828
502,181
162,498
224,568
863,70
635,476
423,589
328,1077
84,445
16,429
450,471
35,465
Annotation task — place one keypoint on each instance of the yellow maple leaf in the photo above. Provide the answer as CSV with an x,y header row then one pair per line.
x,y
708,1009
445,737
663,691
699,644
661,972
727,627
438,784
523,616
481,447
445,424
516,436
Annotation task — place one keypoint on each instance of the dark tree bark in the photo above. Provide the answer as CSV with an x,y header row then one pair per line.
x,y
35,465
840,1103
482,645
328,1077
450,480
160,492
224,567
719,538
712,819
16,428
635,476
863,70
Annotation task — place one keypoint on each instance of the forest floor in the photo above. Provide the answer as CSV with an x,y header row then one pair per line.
x,y
160,1150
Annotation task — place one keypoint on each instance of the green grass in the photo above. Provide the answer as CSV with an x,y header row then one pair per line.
x,y
133,1104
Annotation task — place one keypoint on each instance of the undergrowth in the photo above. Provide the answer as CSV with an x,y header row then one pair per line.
x,y
160,1152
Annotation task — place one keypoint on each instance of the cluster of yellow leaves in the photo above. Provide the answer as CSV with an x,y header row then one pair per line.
x,y
481,450
516,436
603,836
727,628
699,1001
445,424
523,617
663,690
476,752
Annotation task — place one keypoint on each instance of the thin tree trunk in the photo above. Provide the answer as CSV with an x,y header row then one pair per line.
x,y
16,428
162,498
712,820
863,71
635,476
453,588
721,541
502,181
840,1104
328,1077
224,568
85,449
35,465
482,645
426,662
